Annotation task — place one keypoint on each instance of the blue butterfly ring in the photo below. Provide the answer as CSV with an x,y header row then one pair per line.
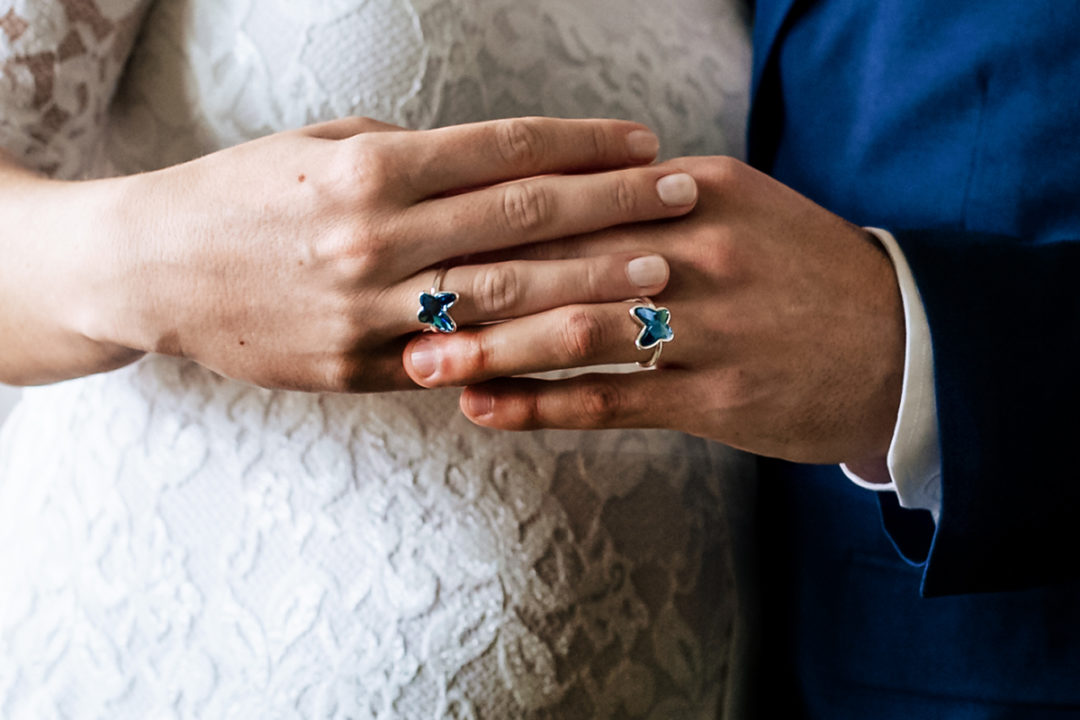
x,y
655,329
435,306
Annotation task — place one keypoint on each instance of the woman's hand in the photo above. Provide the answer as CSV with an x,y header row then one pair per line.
x,y
296,261
789,333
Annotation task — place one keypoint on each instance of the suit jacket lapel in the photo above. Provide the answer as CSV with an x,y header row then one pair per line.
x,y
769,17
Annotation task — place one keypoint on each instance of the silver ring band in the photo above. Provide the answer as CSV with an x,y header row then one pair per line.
x,y
436,282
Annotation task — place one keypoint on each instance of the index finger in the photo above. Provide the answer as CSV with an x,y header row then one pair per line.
x,y
480,154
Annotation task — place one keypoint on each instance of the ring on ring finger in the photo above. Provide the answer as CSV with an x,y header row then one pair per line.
x,y
435,306
655,329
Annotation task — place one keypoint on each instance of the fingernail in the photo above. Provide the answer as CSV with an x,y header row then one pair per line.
x,y
643,145
478,404
424,358
677,190
647,271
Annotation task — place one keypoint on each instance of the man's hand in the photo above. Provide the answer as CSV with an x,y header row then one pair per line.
x,y
789,333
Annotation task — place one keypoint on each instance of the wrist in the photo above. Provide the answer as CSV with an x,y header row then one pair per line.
x,y
101,305
49,259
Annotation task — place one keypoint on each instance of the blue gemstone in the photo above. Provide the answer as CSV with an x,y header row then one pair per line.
x,y
433,311
656,328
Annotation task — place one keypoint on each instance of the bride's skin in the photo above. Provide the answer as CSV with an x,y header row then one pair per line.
x,y
295,261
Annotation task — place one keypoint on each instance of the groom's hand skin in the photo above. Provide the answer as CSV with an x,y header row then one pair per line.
x,y
789,333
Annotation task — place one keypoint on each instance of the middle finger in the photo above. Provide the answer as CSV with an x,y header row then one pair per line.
x,y
546,208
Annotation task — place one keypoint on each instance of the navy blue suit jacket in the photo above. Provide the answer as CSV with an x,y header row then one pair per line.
x,y
955,124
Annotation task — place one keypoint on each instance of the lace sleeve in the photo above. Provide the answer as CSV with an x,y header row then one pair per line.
x,y
59,65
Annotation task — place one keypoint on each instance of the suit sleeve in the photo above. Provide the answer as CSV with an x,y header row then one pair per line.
x,y
1004,319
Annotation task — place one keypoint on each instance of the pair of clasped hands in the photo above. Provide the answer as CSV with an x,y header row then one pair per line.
x,y
296,261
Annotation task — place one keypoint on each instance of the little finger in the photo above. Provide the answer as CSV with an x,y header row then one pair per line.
x,y
587,402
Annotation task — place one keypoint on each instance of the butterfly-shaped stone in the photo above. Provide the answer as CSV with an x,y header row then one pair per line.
x,y
433,311
655,326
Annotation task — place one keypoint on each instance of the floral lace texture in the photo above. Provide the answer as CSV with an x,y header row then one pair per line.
x,y
175,544
59,63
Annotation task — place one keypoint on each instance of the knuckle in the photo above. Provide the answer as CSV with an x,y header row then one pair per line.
x,y
341,331
372,250
725,171
496,289
346,331
344,374
367,168
526,206
357,253
720,257
601,140
583,335
739,387
478,357
366,123
520,142
336,246
594,278
734,390
599,404
623,197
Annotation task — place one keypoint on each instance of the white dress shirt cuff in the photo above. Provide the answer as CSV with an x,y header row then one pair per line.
x,y
914,457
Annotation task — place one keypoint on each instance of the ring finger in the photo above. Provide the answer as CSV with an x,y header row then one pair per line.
x,y
497,291
566,337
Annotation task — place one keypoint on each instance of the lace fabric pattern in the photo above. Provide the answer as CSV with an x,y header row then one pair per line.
x,y
207,75
59,64
176,544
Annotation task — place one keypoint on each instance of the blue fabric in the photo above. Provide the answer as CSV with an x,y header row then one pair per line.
x,y
956,124
845,633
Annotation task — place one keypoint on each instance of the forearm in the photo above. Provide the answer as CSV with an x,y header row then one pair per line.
x,y
54,238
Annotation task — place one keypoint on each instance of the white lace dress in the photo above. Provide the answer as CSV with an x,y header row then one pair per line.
x,y
177,545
